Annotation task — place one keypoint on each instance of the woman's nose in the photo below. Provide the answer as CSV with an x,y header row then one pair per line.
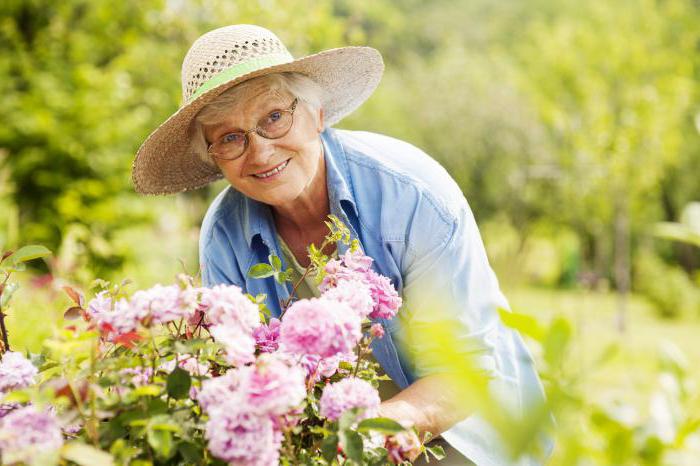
x,y
259,148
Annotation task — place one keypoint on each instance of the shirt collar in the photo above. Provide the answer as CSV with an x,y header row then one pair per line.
x,y
337,174
256,217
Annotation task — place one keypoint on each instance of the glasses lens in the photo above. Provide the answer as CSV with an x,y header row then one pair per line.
x,y
230,146
275,124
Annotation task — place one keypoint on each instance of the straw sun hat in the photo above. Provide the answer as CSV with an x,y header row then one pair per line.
x,y
227,56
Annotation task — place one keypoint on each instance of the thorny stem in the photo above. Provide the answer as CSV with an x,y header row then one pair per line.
x,y
179,327
286,304
360,353
308,269
3,329
359,359
156,354
197,327
93,399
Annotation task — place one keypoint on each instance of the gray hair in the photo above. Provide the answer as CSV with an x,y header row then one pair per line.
x,y
299,85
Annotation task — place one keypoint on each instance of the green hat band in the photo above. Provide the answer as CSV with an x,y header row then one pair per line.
x,y
242,68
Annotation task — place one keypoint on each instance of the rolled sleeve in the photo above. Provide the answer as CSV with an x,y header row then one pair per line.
x,y
448,278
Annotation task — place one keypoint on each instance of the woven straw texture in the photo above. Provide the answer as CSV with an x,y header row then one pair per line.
x,y
163,163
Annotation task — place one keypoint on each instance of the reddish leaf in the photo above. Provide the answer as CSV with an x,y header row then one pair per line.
x,y
6,254
127,339
76,296
73,313
62,388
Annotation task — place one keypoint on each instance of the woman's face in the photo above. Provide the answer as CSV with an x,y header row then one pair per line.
x,y
298,153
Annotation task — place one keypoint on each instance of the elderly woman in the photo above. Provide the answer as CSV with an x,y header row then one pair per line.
x,y
261,119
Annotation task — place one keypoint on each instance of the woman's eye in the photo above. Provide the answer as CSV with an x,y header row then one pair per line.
x,y
232,138
274,116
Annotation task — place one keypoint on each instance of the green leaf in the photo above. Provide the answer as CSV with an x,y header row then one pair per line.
x,y
17,396
329,448
190,452
261,271
16,267
179,383
282,277
437,451
123,452
380,424
527,325
351,442
28,253
191,346
7,293
556,341
147,390
275,262
164,422
86,455
348,418
162,442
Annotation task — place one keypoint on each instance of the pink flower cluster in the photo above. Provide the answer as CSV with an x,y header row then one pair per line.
x,y
166,303
348,394
27,435
114,317
242,438
351,279
248,405
159,305
226,311
267,336
321,327
318,367
232,319
16,372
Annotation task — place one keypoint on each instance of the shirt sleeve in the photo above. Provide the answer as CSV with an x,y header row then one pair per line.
x,y
447,278
448,281
216,260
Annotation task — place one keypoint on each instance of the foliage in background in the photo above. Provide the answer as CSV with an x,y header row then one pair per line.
x,y
552,116
10,263
613,432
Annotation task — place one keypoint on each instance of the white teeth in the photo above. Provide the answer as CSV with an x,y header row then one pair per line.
x,y
273,171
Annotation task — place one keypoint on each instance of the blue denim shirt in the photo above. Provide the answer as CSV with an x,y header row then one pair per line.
x,y
413,220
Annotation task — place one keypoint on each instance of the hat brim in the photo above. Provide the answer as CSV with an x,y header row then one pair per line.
x,y
164,163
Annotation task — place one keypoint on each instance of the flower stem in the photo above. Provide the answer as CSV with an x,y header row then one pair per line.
x,y
3,329
308,269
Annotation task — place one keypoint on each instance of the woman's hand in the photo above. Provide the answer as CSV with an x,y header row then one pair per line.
x,y
428,404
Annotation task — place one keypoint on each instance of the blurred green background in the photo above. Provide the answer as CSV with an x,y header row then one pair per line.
x,y
572,128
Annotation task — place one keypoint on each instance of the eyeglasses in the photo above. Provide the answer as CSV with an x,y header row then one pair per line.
x,y
274,125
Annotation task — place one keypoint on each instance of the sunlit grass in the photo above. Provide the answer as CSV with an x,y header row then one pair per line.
x,y
631,375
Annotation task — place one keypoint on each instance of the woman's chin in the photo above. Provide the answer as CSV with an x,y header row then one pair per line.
x,y
277,195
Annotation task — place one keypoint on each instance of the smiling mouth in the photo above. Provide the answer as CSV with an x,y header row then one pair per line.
x,y
274,171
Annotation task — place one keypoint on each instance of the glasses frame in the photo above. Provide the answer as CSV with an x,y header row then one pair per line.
x,y
257,130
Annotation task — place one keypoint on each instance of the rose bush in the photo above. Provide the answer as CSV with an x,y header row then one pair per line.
x,y
183,374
